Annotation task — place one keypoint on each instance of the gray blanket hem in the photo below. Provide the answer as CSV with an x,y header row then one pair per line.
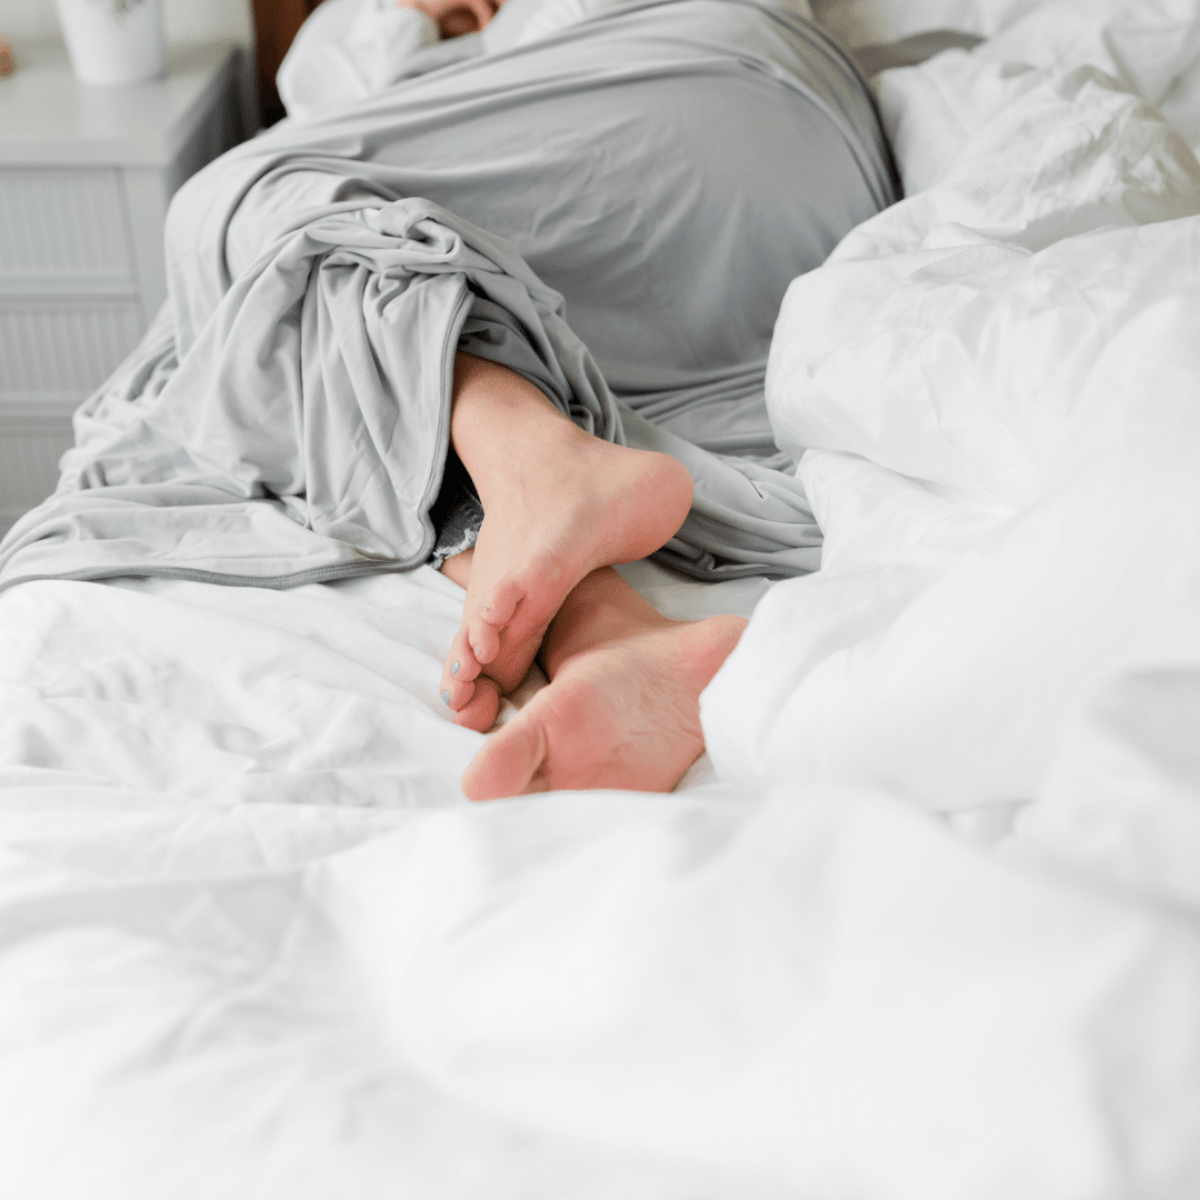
x,y
275,583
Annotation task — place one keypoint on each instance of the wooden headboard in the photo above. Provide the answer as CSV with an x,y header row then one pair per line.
x,y
275,24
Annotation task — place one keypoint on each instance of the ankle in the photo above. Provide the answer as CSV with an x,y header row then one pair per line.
x,y
493,407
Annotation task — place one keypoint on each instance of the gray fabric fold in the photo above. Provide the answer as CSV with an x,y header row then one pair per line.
x,y
668,167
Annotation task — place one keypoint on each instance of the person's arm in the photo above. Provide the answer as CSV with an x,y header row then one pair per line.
x,y
348,50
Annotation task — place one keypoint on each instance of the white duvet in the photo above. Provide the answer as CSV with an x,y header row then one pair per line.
x,y
932,929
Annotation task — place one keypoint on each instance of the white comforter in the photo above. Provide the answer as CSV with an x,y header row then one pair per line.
x,y
936,936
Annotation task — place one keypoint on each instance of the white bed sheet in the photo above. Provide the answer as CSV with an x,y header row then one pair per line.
x,y
935,937
143,689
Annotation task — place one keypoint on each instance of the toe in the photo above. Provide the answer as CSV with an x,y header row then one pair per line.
x,y
498,608
480,712
456,696
484,640
461,665
508,761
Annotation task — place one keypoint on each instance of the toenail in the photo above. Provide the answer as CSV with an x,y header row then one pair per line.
x,y
454,668
478,651
446,699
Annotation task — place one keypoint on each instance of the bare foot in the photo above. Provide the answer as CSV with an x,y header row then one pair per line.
x,y
558,503
623,706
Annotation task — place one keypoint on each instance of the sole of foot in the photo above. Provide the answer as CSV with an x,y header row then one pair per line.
x,y
622,714
598,504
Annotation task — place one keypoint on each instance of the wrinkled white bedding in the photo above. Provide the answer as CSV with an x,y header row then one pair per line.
x,y
934,936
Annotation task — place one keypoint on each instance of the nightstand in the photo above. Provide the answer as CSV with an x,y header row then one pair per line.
x,y
85,177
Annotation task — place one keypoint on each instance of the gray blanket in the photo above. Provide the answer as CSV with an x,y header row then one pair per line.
x,y
667,168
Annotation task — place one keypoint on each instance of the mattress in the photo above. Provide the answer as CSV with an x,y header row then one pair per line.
x,y
922,922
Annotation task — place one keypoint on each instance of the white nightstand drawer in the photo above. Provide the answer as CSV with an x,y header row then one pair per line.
x,y
63,349
64,226
85,178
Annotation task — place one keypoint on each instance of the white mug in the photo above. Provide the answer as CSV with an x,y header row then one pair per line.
x,y
112,42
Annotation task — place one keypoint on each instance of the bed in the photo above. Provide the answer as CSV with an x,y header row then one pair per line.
x,y
922,922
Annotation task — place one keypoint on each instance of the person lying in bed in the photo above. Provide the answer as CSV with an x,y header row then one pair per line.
x,y
561,505
509,318
557,507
